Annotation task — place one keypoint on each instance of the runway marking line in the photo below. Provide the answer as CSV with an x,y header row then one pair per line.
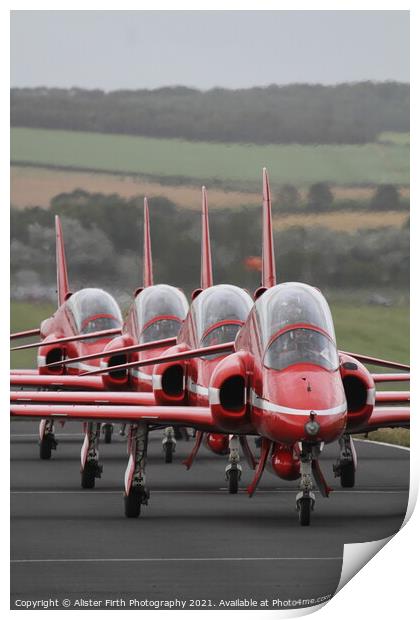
x,y
244,559
205,491
383,443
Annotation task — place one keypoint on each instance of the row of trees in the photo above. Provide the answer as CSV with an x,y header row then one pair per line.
x,y
103,243
320,197
298,113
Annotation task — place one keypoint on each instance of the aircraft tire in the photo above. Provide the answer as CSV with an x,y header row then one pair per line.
x,y
168,450
88,477
108,434
347,475
45,449
304,508
132,504
178,433
233,481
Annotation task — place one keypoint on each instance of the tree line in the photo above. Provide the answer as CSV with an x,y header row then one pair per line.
x,y
299,113
103,238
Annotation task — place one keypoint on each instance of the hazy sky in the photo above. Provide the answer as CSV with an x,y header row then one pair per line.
x,y
148,49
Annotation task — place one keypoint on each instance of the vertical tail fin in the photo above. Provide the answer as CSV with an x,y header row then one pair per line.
x,y
147,249
206,262
62,278
268,260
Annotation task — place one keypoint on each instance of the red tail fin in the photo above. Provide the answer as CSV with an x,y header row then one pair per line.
x,y
62,279
268,260
147,249
206,262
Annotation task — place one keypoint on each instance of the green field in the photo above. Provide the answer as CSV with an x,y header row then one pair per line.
x,y
26,316
373,330
238,164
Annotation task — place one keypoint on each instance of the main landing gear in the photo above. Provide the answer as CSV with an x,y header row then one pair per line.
x,y
136,493
89,457
107,430
47,440
345,468
233,470
168,443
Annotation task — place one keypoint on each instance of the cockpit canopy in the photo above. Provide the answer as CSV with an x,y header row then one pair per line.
x,y
291,304
296,327
219,312
160,310
301,346
94,310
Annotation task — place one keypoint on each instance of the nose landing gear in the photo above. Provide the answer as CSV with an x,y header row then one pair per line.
x,y
233,470
89,456
309,470
107,430
305,498
168,443
47,440
136,492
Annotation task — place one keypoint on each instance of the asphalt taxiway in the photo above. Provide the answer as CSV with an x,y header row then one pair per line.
x,y
194,543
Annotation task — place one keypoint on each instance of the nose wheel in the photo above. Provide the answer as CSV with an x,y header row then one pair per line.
x,y
168,444
89,456
233,469
107,430
134,500
136,493
46,445
305,499
304,505
233,475
90,472
47,440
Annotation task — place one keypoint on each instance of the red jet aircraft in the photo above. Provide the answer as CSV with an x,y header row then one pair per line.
x,y
83,323
284,381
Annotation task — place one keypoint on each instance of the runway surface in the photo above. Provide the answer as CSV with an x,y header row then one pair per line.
x,y
194,545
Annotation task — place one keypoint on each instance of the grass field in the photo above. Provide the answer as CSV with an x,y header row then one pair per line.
x,y
377,331
31,186
342,220
386,162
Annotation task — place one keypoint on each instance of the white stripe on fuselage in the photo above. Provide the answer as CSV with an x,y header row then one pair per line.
x,y
78,365
195,388
141,375
266,405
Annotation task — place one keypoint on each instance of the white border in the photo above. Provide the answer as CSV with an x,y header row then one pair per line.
x,y
387,585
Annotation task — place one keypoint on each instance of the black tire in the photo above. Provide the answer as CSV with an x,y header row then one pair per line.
x,y
108,434
88,477
304,507
45,448
347,475
169,450
233,481
132,504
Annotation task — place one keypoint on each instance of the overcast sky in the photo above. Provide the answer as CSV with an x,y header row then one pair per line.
x,y
147,49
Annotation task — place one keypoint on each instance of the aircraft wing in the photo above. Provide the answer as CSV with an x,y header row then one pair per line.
x,y
391,376
392,398
375,361
55,382
387,417
197,417
24,371
93,397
